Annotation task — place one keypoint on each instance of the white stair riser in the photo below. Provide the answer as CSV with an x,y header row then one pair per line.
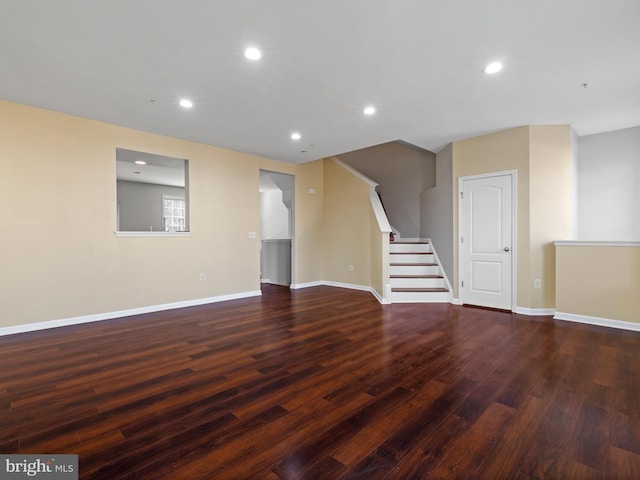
x,y
414,270
420,297
417,283
408,247
409,258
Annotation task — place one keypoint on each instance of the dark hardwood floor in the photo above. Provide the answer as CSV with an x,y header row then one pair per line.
x,y
326,383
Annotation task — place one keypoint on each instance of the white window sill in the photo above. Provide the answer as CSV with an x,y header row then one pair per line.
x,y
152,234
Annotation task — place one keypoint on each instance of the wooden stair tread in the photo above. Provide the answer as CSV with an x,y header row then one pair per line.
x,y
413,264
411,253
417,290
416,276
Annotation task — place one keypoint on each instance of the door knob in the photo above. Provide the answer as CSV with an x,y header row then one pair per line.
x,y
506,249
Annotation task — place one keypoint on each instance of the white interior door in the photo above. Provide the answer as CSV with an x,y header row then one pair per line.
x,y
486,241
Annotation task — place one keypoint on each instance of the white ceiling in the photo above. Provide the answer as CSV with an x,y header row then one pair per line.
x,y
157,169
418,61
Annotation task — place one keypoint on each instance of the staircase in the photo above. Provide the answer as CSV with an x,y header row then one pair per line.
x,y
415,274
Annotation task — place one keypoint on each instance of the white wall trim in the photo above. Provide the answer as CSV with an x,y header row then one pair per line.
x,y
442,272
602,322
363,288
30,327
152,234
350,286
380,299
534,312
578,243
378,211
297,286
353,171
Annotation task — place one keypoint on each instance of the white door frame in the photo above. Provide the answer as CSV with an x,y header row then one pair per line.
x,y
293,225
514,231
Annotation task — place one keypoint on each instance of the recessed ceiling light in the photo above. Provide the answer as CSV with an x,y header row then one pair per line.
x,y
369,110
296,136
253,53
186,103
140,162
493,67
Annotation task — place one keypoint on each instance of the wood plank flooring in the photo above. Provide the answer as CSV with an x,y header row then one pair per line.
x,y
326,383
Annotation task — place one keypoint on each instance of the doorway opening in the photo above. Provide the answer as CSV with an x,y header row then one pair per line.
x,y
277,197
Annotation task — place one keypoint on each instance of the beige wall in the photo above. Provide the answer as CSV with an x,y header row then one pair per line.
x,y
379,253
505,150
550,178
309,211
541,155
347,218
308,217
599,281
60,257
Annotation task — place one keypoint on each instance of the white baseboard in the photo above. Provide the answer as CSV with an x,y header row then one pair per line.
x,y
30,327
534,312
602,322
363,288
295,286
379,298
350,286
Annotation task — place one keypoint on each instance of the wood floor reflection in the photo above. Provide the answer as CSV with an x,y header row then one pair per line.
x,y
326,383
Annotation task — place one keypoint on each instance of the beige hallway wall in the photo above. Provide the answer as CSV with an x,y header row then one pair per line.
x,y
599,281
60,256
497,152
550,178
347,230
541,156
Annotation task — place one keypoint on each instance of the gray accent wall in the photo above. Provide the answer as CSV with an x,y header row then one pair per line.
x,y
402,172
140,205
574,185
609,186
437,210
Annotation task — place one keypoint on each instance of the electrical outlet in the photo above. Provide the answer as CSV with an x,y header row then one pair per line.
x,y
537,283
351,268
252,234
203,277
